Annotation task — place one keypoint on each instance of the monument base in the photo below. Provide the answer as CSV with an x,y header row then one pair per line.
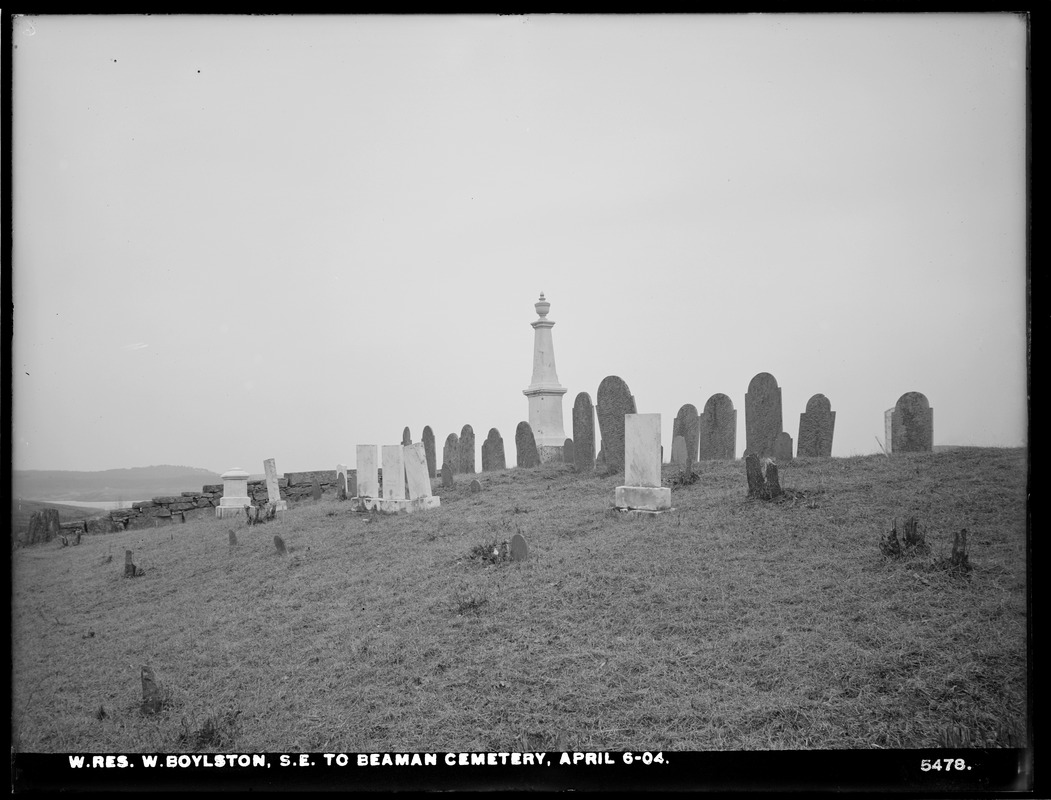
x,y
234,508
281,505
550,454
394,506
642,498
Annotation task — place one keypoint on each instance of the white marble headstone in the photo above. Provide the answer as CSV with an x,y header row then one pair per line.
x,y
393,472
368,480
415,456
642,450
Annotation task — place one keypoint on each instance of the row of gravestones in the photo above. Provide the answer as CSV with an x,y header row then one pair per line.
x,y
713,433
458,451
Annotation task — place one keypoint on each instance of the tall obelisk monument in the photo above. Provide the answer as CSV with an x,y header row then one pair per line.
x,y
545,392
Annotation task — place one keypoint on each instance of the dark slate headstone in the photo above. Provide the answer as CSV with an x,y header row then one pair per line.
x,y
466,465
717,430
762,415
584,432
816,426
493,452
476,487
233,537
614,402
451,453
352,484
406,437
447,474
151,693
519,549
428,449
525,444
279,544
782,447
315,489
678,452
912,425
687,424
568,452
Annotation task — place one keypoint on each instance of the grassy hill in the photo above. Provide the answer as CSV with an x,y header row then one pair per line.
x,y
22,510
726,624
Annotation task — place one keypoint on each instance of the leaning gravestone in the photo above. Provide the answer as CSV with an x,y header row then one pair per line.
x,y
816,425
428,448
447,474
584,432
762,415
782,447
493,452
614,402
525,445
717,430
687,424
466,451
406,437
519,549
910,425
451,453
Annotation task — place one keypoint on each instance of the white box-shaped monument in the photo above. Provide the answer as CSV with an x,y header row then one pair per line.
x,y
235,493
642,488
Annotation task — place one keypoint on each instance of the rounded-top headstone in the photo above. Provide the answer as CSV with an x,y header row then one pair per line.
x,y
614,402
447,474
475,486
519,549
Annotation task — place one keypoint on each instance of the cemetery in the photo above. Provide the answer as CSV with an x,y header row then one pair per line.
x,y
594,595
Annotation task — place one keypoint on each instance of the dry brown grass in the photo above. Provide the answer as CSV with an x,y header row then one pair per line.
x,y
726,624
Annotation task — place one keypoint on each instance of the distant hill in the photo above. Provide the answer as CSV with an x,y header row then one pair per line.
x,y
136,483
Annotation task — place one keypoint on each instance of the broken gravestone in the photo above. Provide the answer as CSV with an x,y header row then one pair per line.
x,y
130,570
762,479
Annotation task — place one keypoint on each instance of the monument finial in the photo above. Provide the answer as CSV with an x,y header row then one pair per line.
x,y
542,306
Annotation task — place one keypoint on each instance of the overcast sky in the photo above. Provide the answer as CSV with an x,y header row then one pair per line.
x,y
238,238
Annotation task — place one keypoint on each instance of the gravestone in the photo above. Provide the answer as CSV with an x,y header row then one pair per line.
x,y
642,490
519,549
717,430
342,481
782,447
493,452
352,485
568,452
763,481
428,447
816,426
615,401
315,489
130,570
279,545
584,432
233,538
273,491
687,424
151,692
235,494
466,451
910,425
762,415
447,474
678,452
525,445
451,453
393,458
476,486
406,437
367,475
417,481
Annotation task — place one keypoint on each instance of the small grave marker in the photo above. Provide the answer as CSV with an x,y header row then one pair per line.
x,y
233,538
447,474
151,693
279,544
475,486
315,489
130,570
519,549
